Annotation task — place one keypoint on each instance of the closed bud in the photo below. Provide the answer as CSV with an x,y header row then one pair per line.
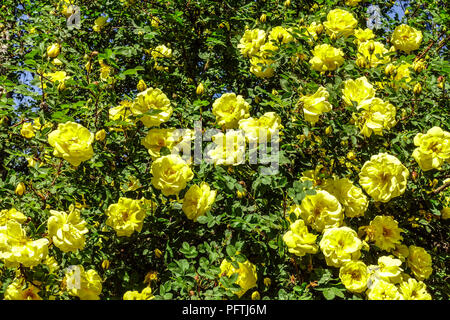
x,y
267,282
256,295
390,69
141,86
328,130
417,88
263,18
241,194
53,50
105,264
287,3
100,135
274,92
200,89
319,29
419,66
158,253
371,47
20,189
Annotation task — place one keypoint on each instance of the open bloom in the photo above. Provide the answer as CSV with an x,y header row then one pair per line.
x,y
412,289
384,231
11,214
67,230
229,109
321,210
251,41
72,142
406,38
170,174
326,58
229,150
16,291
173,139
375,115
247,275
383,177
340,245
389,269
315,104
258,129
357,91
433,148
354,276
27,130
198,200
16,248
340,23
126,216
298,240
383,290
153,105
363,35
87,285
419,261
352,198
280,35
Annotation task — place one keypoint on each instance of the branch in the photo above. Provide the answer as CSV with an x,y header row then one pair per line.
x,y
441,188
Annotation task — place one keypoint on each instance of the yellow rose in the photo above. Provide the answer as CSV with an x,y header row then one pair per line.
x,y
352,198
419,65
247,275
280,35
374,115
198,200
87,285
354,276
384,231
170,174
16,248
265,126
251,41
368,57
419,261
229,109
200,89
326,58
145,294
321,210
316,104
15,291
126,216
402,75
340,23
389,269
67,231
155,102
27,130
433,149
229,150
363,35
298,240
357,90
406,38
340,245
53,50
383,177
72,142
414,290
261,67
11,214
382,290
156,139
401,251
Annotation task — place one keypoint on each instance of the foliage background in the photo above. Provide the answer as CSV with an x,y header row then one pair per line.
x,y
203,36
